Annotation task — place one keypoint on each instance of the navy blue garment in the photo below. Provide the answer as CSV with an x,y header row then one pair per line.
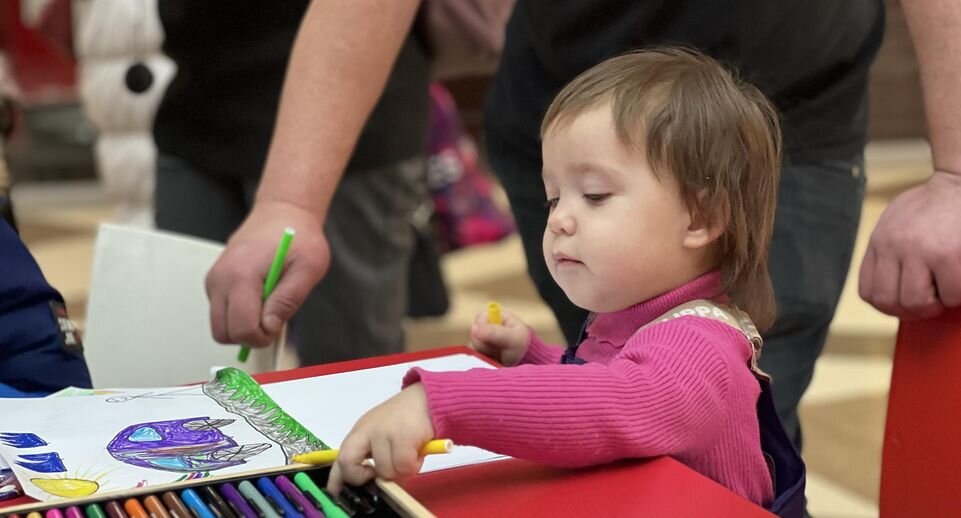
x,y
40,352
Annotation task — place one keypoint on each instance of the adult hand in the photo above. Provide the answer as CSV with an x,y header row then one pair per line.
x,y
912,268
236,281
506,343
391,433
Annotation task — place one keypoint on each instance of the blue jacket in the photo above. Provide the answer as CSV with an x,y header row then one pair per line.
x,y
40,351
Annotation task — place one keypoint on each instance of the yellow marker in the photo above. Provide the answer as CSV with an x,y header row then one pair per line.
x,y
494,313
322,457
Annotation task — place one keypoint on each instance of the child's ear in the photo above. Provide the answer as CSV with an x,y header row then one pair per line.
x,y
705,228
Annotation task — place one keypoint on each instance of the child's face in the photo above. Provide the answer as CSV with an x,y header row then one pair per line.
x,y
615,234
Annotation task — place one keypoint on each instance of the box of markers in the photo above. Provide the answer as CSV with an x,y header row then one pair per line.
x,y
286,492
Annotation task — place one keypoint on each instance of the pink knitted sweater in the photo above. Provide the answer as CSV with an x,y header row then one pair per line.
x,y
680,388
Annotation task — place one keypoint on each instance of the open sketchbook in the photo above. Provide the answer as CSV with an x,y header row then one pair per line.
x,y
81,442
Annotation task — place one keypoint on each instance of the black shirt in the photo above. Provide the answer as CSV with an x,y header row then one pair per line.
x,y
219,111
810,57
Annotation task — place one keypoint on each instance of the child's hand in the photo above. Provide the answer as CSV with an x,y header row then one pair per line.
x,y
506,343
391,433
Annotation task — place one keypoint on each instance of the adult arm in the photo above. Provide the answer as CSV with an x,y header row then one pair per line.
x,y
337,70
912,268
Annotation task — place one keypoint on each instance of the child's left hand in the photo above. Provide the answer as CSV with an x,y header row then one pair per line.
x,y
391,433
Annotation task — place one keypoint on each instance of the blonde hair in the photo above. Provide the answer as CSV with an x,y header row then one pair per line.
x,y
718,136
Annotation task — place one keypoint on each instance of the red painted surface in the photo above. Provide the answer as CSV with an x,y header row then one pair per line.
x,y
922,441
42,65
652,487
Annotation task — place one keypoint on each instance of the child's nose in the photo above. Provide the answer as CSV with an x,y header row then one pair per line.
x,y
560,221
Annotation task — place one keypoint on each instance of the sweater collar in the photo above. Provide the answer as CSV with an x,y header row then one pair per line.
x,y
618,326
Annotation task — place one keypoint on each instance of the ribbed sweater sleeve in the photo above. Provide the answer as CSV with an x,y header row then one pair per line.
x,y
663,394
540,353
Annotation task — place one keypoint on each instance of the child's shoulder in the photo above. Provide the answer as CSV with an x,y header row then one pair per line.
x,y
689,332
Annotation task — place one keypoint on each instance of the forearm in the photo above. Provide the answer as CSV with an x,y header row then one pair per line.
x,y
337,70
935,27
574,415
540,353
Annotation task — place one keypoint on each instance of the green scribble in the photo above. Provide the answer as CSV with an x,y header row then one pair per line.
x,y
239,394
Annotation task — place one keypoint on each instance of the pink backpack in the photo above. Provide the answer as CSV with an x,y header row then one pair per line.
x,y
465,212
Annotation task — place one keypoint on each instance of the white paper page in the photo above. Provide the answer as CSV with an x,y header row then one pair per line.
x,y
148,316
330,405
67,453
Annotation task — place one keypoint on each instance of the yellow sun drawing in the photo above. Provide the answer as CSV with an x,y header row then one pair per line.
x,y
66,486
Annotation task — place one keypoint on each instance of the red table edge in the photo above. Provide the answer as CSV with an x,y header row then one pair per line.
x,y
393,359
364,363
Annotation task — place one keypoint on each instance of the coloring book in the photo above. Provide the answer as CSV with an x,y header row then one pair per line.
x,y
80,442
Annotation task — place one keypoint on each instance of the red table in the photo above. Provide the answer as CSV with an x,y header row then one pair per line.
x,y
652,487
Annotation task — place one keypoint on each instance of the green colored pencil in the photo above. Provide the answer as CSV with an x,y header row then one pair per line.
x,y
273,275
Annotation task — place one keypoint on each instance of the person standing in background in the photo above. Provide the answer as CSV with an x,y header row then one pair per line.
x,y
213,130
810,59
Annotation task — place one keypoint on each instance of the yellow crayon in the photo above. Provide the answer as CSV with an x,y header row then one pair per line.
x,y
321,457
494,313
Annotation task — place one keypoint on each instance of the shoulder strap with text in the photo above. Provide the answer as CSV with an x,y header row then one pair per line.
x,y
729,315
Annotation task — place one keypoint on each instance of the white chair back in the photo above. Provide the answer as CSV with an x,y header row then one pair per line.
x,y
147,319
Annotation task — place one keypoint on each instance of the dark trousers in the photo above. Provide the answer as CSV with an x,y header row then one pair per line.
x,y
358,309
819,206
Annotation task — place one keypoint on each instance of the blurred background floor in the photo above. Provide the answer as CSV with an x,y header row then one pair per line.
x,y
843,412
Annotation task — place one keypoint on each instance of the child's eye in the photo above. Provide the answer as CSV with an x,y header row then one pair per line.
x,y
551,203
596,198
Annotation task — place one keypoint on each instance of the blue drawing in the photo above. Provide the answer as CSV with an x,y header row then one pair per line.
x,y
145,434
42,462
22,440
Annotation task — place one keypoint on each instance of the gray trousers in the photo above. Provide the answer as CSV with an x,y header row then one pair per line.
x,y
819,206
357,310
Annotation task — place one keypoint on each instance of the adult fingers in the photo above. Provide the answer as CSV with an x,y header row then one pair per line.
x,y
886,287
866,275
947,275
218,314
243,314
294,286
917,292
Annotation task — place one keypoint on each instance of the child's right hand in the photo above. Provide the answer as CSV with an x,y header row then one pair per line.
x,y
506,343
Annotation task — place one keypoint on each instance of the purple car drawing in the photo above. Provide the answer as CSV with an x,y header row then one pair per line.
x,y
188,445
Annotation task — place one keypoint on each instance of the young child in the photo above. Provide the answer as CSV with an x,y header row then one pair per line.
x,y
40,350
661,174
